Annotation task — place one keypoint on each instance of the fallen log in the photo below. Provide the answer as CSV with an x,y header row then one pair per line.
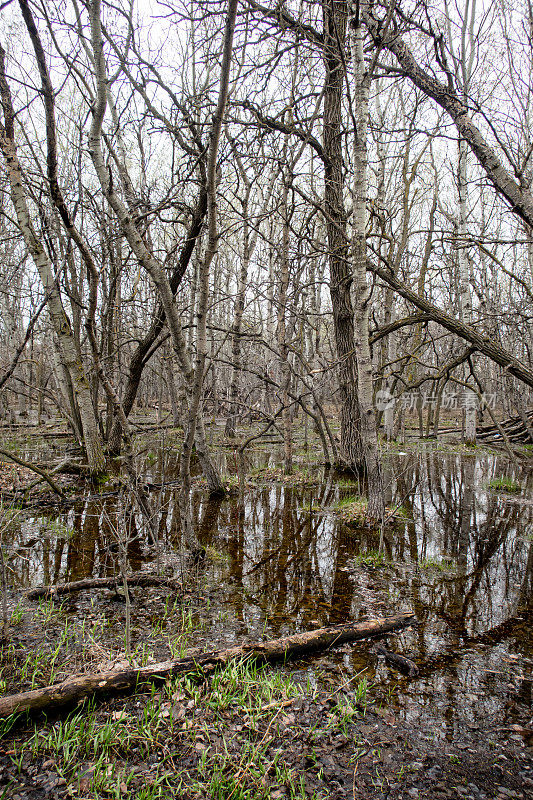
x,y
73,690
519,429
136,579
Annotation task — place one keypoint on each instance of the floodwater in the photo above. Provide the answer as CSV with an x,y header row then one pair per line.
x,y
279,561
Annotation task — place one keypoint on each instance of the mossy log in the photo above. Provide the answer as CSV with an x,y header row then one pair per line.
x,y
75,689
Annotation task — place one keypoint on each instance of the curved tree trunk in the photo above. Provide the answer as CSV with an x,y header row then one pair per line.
x,y
193,375
69,357
147,345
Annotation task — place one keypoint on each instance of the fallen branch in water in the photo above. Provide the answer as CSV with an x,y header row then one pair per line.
x,y
401,663
136,579
519,429
73,690
40,479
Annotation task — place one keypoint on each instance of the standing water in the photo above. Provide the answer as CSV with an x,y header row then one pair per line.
x,y
280,560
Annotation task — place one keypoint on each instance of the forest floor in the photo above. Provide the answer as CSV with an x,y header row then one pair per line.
x,y
245,732
311,728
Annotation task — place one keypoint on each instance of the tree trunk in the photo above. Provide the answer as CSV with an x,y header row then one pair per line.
x,y
281,332
145,255
488,347
69,357
369,437
197,383
238,310
147,345
335,17
136,579
519,197
463,66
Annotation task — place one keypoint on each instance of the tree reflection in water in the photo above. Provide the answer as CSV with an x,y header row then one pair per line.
x,y
461,558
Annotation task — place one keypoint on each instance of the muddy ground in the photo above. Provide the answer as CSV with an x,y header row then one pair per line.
x,y
335,743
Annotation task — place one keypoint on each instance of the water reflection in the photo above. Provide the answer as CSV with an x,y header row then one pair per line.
x,y
462,559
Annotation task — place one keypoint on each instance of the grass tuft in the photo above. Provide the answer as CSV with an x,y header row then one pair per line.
x,y
436,564
176,729
373,559
352,510
503,484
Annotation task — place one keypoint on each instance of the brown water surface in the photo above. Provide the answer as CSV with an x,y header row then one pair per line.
x,y
279,560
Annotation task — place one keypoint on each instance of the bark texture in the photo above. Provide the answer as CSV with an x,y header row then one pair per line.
x,y
335,19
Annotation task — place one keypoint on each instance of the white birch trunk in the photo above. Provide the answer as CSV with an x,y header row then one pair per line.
x,y
376,503
465,292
